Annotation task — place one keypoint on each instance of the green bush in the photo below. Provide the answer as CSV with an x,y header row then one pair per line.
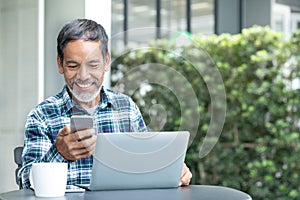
x,y
258,150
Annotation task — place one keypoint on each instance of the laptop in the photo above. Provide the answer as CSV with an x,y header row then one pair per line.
x,y
138,160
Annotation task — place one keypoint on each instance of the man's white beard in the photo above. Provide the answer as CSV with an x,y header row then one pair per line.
x,y
84,97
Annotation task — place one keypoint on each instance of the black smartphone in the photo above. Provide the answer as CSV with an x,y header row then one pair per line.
x,y
81,122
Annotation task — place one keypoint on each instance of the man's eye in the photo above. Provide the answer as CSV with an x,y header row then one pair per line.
x,y
72,66
94,65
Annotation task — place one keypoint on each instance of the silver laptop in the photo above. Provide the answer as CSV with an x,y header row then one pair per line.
x,y
138,160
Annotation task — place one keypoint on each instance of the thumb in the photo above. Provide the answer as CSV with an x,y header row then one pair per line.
x,y
64,131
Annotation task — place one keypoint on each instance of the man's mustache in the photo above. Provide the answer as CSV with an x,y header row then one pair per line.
x,y
87,81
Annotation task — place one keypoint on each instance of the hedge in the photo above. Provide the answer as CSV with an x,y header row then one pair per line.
x,y
258,149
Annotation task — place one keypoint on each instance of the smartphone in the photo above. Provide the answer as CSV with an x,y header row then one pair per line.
x,y
81,122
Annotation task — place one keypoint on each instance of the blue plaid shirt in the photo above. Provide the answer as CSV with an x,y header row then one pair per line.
x,y
114,113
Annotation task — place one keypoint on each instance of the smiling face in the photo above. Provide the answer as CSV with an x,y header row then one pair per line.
x,y
83,67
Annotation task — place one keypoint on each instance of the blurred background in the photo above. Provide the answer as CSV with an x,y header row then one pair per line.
x,y
241,36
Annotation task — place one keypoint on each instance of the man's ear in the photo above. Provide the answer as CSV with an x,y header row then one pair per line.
x,y
107,61
60,65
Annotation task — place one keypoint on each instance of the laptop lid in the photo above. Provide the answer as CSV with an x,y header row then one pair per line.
x,y
138,160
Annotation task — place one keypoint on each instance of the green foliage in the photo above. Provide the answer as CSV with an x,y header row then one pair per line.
x,y
258,150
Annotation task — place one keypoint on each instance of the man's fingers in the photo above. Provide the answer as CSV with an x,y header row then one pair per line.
x,y
84,151
74,146
85,148
87,143
184,170
64,131
82,135
186,175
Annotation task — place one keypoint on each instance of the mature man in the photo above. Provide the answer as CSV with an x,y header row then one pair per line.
x,y
83,59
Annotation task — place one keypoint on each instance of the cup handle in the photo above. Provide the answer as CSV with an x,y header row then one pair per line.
x,y
31,179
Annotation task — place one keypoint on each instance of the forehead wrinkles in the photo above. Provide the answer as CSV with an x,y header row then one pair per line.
x,y
82,50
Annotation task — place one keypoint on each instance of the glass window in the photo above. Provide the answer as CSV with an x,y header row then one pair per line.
x,y
202,12
173,14
143,14
117,24
173,17
117,16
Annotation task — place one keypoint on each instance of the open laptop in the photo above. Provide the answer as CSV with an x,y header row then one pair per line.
x,y
138,160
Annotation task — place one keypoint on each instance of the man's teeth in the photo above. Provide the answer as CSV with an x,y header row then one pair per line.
x,y
84,85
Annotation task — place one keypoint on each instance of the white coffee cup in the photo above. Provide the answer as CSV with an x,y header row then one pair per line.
x,y
49,179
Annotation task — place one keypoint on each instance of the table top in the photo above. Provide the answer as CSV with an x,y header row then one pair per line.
x,y
199,192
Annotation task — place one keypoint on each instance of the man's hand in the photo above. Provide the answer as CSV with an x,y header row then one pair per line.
x,y
186,175
74,146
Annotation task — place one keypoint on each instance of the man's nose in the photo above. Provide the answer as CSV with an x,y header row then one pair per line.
x,y
83,72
